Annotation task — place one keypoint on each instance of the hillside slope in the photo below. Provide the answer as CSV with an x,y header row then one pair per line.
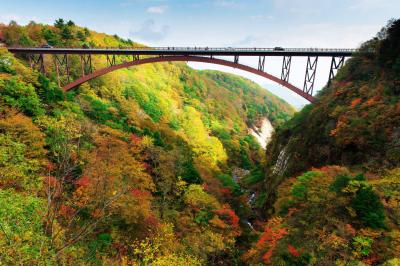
x,y
331,190
356,120
134,167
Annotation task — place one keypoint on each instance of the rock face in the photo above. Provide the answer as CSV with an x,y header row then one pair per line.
x,y
263,133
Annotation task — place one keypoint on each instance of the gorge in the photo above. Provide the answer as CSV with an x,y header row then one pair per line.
x,y
162,164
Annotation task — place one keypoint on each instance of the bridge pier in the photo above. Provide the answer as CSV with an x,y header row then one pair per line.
x,y
261,63
335,65
111,60
37,63
286,68
62,68
86,64
236,59
309,79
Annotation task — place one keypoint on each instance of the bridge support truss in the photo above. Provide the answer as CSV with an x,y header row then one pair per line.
x,y
261,63
62,68
236,59
111,60
336,63
309,79
286,68
37,62
86,64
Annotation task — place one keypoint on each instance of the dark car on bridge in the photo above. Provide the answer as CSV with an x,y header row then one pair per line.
x,y
279,49
46,46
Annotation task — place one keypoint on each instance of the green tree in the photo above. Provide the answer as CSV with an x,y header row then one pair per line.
x,y
22,96
368,207
59,23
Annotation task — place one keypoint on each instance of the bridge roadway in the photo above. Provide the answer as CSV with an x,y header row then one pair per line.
x,y
199,51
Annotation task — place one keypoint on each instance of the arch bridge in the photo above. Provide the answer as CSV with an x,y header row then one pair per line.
x,y
138,56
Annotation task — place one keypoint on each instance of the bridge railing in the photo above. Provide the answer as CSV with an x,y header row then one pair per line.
x,y
203,49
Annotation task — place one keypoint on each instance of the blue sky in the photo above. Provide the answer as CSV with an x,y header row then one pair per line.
x,y
236,23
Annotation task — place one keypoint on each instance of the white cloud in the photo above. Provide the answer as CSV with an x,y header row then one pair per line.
x,y
249,40
157,9
22,20
228,3
9,17
371,4
261,17
150,32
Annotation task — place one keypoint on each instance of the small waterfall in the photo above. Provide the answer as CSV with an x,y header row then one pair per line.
x,y
250,225
281,162
251,198
263,133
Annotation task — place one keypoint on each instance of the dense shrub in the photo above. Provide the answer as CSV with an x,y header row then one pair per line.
x,y
6,65
21,96
227,181
300,187
368,207
341,181
49,92
23,240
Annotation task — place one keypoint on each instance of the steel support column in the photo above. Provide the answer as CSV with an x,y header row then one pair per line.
x,y
309,79
62,68
236,59
135,57
261,63
286,68
86,64
111,60
37,63
335,65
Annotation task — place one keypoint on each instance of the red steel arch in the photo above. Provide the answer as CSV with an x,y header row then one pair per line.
x,y
217,61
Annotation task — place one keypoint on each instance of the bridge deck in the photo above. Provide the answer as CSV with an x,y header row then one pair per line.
x,y
200,51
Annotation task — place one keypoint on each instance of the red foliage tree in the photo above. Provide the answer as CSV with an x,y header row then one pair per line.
x,y
229,216
83,181
293,251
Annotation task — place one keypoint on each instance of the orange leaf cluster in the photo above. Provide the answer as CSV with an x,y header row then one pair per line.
x,y
151,221
291,211
370,102
51,181
226,192
66,211
83,181
141,194
271,235
229,216
147,167
355,102
267,257
135,139
293,251
97,213
273,232
350,230
371,259
50,167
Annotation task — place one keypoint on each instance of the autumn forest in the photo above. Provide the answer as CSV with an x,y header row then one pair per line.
x,y
157,164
